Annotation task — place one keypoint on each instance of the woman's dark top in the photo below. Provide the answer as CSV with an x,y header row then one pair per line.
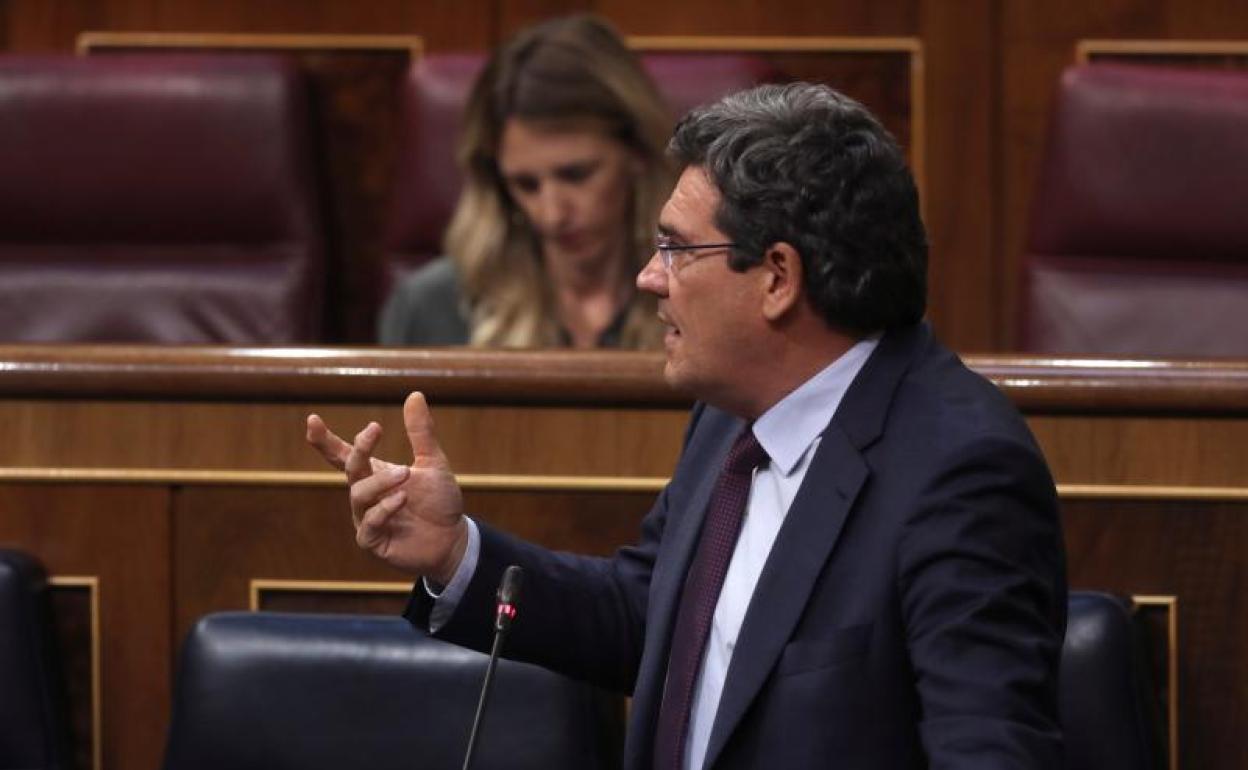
x,y
427,309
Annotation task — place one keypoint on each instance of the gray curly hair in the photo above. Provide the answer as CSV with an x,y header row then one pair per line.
x,y
806,165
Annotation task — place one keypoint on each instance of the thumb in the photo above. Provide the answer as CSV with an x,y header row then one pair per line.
x,y
419,424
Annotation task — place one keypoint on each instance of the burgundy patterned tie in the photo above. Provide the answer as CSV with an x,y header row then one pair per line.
x,y
701,594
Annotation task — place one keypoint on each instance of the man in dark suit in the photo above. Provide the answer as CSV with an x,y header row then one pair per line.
x,y
857,562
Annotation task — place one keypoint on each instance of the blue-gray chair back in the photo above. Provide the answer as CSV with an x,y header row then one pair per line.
x,y
264,691
1108,707
33,724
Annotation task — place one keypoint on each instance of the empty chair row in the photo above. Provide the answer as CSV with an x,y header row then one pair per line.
x,y
179,198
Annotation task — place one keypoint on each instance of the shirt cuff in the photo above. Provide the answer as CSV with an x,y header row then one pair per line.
x,y
446,598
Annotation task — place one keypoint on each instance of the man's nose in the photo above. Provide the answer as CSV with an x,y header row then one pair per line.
x,y
653,276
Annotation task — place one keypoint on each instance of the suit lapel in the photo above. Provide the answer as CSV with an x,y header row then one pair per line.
x,y
806,539
811,529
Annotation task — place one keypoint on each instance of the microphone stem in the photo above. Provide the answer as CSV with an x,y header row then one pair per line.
x,y
485,693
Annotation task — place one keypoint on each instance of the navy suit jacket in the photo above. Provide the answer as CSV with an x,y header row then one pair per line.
x,y
910,614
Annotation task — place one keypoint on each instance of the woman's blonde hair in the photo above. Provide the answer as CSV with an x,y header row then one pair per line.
x,y
575,71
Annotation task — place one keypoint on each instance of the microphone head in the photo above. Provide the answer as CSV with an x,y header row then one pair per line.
x,y
509,588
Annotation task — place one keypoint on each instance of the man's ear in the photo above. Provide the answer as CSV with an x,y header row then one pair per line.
x,y
782,280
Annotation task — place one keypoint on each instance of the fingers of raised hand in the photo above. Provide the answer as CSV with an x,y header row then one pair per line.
x,y
326,442
420,434
369,491
359,464
382,466
370,531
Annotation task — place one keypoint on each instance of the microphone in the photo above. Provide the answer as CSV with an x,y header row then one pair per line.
x,y
508,592
504,614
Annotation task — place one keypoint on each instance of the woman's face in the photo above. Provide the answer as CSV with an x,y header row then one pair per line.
x,y
574,187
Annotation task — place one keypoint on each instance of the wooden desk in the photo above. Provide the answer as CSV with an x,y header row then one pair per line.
x,y
159,484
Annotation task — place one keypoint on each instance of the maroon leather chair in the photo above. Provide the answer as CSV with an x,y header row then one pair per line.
x,y
427,180
157,198
1138,241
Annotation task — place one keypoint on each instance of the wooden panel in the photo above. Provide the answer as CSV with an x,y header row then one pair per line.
x,y
759,17
451,23
289,533
1192,550
514,15
1101,421
342,597
52,25
1156,618
119,536
961,204
1147,454
884,73
262,534
47,26
76,627
206,436
1144,451
628,435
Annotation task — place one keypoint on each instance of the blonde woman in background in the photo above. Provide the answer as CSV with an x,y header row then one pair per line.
x,y
563,156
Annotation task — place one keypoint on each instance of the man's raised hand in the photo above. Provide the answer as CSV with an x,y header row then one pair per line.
x,y
409,516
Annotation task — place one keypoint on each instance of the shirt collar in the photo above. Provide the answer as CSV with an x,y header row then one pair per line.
x,y
790,426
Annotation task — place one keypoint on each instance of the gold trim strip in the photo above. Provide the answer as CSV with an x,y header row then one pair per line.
x,y
1086,49
531,482
257,585
469,481
773,43
1150,492
1171,603
92,584
414,45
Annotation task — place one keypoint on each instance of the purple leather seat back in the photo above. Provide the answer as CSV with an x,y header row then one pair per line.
x,y
158,198
1138,242
427,179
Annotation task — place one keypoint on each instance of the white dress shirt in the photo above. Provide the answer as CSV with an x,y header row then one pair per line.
x,y
789,431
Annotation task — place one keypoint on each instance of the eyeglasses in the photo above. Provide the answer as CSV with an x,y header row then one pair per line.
x,y
668,250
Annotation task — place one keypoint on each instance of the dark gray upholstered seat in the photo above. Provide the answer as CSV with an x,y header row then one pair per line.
x,y
33,722
265,691
1109,711
270,690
